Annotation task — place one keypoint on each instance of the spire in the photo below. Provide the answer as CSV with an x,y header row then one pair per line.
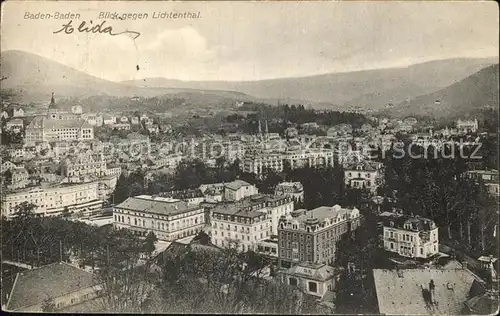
x,y
267,129
260,128
52,101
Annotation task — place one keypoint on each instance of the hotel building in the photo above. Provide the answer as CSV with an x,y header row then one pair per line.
x,y
312,236
169,219
53,200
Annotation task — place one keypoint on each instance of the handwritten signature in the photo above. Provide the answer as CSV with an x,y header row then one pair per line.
x,y
94,28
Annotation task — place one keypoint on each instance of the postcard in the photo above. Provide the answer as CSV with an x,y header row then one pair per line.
x,y
250,157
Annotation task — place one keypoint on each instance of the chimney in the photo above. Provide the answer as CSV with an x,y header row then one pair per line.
x,y
464,264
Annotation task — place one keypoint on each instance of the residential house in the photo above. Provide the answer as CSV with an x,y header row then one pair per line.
x,y
363,175
410,236
19,179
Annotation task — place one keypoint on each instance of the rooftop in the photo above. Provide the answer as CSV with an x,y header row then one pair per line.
x,y
156,205
408,222
236,184
34,286
315,271
407,291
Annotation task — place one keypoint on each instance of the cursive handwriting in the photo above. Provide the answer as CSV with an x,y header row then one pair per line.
x,y
94,28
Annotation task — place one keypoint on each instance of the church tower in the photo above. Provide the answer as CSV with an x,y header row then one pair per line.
x,y
53,110
259,132
266,132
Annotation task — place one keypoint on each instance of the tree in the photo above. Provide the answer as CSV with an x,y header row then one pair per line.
x,y
149,244
48,305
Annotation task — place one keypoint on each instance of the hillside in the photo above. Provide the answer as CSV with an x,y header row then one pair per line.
x,y
367,89
463,98
34,78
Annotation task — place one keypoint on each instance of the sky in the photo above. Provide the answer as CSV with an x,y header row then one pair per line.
x,y
236,41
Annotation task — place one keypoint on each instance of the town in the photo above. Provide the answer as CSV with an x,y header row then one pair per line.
x,y
329,212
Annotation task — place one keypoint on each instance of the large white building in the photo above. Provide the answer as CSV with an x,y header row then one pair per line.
x,y
169,219
408,236
52,200
57,126
248,221
43,129
257,162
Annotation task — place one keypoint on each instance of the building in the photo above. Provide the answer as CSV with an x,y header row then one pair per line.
x,y
238,189
311,236
488,177
363,175
93,119
410,236
15,125
274,207
169,219
76,109
52,200
42,129
257,162
168,161
108,119
61,283
467,126
428,291
19,178
83,165
312,278
121,126
242,225
293,190
16,112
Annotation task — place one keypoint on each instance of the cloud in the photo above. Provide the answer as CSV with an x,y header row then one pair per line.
x,y
182,44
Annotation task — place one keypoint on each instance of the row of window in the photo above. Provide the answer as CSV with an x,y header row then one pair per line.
x,y
160,226
262,235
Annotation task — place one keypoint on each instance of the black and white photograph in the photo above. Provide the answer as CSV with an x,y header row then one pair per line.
x,y
249,157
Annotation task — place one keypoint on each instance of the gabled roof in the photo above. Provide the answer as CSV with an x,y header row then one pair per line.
x,y
401,292
32,287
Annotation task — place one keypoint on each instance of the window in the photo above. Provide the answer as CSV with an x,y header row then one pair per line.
x,y
421,251
392,245
292,281
313,287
